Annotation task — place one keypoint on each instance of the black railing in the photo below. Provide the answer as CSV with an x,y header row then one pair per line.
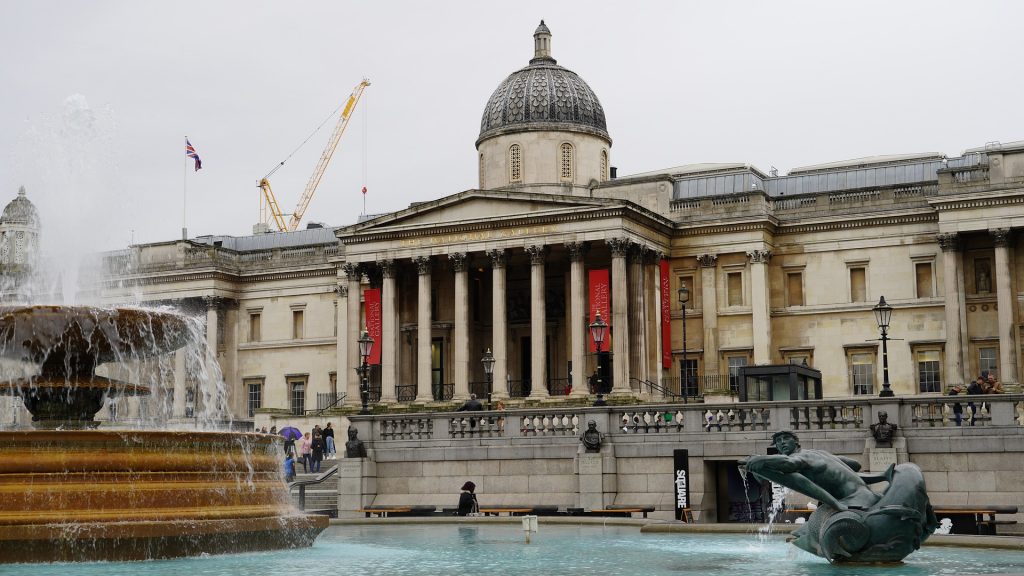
x,y
665,389
325,401
518,388
443,392
478,388
301,485
559,386
405,392
374,392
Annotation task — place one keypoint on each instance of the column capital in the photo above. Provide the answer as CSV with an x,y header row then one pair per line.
x,y
577,250
423,265
618,246
458,261
759,256
537,253
341,290
350,270
387,268
1000,236
497,257
707,260
652,256
219,303
949,242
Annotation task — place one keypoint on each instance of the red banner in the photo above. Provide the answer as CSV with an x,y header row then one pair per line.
x,y
600,301
666,317
371,296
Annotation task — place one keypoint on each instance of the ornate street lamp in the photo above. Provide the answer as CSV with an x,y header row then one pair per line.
x,y
365,347
488,362
883,313
598,330
684,297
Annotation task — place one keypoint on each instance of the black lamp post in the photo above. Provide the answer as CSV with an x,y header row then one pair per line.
x,y
365,347
488,362
684,297
883,313
598,329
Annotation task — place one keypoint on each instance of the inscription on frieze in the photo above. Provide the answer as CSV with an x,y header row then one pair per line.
x,y
477,236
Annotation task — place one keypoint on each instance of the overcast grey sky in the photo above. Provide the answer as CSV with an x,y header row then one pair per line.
x,y
97,97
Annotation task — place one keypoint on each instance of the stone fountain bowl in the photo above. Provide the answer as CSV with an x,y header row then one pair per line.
x,y
73,340
87,495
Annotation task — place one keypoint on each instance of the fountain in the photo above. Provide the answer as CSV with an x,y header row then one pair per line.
x,y
73,492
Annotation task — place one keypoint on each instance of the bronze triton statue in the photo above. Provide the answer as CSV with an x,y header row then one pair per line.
x,y
853,524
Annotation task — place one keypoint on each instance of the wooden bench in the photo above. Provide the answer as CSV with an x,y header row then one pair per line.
x,y
975,519
508,511
624,512
383,512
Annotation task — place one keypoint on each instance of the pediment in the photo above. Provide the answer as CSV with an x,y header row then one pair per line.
x,y
476,208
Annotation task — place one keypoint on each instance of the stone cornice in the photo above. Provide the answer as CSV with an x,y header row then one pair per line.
x,y
208,274
974,200
890,220
747,226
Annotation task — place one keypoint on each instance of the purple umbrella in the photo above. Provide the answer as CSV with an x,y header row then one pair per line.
x,y
290,433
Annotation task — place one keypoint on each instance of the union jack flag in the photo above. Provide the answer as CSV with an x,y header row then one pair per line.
x,y
191,153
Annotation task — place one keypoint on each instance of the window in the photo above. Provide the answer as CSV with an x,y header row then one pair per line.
x,y
297,324
688,377
254,326
734,288
862,372
566,161
923,277
515,163
988,360
190,402
297,389
604,165
255,388
858,285
794,288
929,376
735,363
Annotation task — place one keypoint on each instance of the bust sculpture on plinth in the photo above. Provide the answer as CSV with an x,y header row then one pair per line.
x,y
354,448
882,431
853,524
591,438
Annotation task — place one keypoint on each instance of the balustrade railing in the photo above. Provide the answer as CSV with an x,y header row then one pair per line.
x,y
549,424
490,426
406,428
652,420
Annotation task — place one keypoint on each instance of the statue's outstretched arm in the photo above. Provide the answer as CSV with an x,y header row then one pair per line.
x,y
853,464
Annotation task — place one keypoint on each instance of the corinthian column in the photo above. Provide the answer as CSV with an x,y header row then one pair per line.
x,y
389,331
577,320
637,316
709,310
423,376
620,316
352,330
1007,307
762,325
499,323
460,335
538,324
952,281
341,336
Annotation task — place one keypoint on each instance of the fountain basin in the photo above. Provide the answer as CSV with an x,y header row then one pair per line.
x,y
81,495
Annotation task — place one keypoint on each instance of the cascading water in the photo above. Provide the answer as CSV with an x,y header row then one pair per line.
x,y
143,482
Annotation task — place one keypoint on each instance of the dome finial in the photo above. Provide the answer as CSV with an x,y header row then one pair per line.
x,y
21,191
542,45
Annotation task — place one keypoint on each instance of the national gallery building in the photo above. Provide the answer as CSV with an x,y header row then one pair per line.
x,y
779,269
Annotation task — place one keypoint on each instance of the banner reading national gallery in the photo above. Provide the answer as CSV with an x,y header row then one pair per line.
x,y
373,323
600,301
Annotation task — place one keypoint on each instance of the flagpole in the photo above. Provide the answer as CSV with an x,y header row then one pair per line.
x,y
184,195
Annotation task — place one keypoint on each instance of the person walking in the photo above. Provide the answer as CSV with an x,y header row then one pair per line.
x,y
317,452
306,450
328,434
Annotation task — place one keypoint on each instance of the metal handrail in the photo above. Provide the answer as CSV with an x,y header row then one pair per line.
x,y
405,392
320,411
301,484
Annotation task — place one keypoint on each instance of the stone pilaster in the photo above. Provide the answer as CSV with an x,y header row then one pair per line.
x,y
709,310
460,334
499,334
762,325
213,370
423,330
637,316
577,318
620,316
341,340
952,282
538,323
389,331
1007,306
352,330
652,279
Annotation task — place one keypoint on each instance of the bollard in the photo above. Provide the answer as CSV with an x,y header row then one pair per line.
x,y
529,525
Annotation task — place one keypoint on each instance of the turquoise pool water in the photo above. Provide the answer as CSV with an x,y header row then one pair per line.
x,y
445,550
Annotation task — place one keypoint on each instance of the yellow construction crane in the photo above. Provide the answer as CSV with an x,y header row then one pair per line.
x,y
268,202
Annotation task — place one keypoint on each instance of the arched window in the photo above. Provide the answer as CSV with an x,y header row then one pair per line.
x,y
567,158
515,163
604,165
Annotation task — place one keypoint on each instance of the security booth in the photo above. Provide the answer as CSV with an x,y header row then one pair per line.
x,y
779,382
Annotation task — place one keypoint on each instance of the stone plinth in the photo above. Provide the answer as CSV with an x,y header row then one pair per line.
x,y
357,485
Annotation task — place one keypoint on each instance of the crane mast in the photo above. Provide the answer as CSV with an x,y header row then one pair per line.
x,y
268,202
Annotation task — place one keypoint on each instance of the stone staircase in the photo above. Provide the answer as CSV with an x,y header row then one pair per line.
x,y
320,498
